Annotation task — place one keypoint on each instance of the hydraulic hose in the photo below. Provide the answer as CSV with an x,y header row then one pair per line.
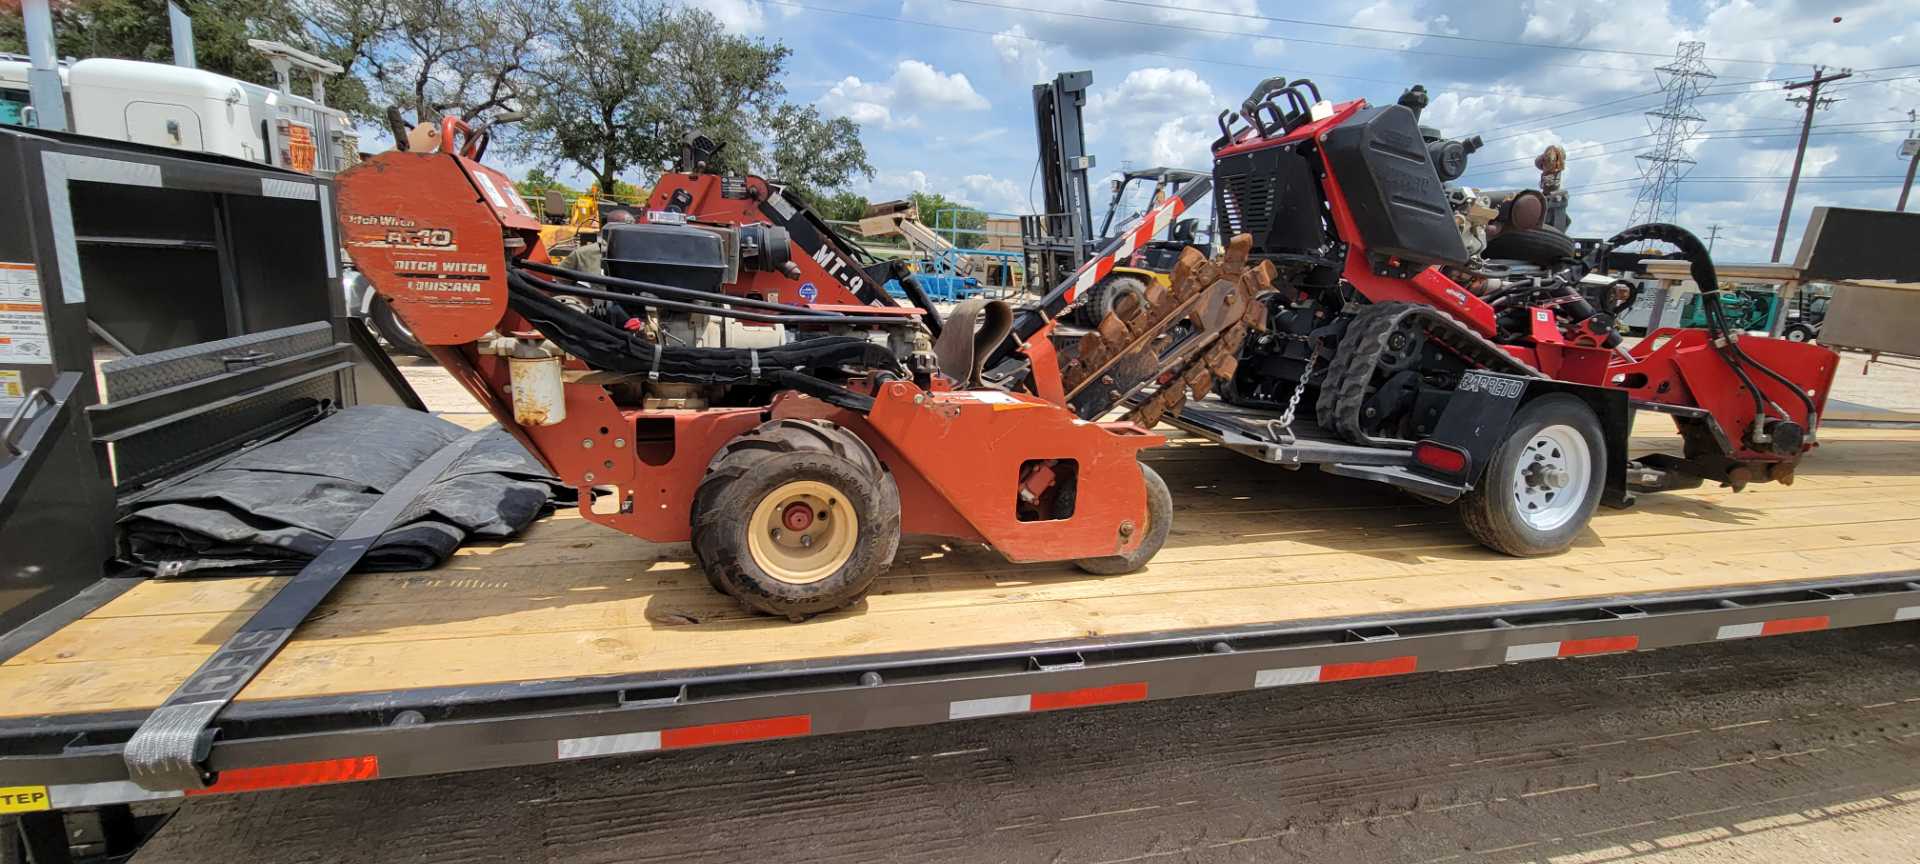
x,y
792,315
919,297
795,365
1700,267
655,288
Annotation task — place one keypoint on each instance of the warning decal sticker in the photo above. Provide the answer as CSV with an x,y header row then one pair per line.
x,y
23,317
24,799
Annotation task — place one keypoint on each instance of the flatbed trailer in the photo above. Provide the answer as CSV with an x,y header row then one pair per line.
x,y
577,641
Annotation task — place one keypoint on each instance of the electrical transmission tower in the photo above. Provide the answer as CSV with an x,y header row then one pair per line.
x,y
1673,124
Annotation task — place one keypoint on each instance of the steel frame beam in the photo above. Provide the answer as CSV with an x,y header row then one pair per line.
x,y
281,743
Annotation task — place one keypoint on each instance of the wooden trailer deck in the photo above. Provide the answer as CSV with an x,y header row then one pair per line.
x,y
1253,544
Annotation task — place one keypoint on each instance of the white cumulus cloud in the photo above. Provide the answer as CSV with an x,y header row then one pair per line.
x,y
895,102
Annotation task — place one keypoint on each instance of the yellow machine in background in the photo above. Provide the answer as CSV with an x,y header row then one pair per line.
x,y
567,219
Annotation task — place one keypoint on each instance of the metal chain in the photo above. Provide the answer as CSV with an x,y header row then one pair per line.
x,y
1284,432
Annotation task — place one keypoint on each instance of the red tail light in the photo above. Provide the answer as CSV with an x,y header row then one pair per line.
x,y
1440,457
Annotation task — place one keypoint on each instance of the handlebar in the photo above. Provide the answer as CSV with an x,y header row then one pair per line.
x,y
473,144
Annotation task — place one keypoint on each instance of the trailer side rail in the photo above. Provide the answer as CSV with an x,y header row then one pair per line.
x,y
66,762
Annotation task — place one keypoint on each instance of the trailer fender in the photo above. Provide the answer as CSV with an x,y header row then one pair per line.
x,y
1481,410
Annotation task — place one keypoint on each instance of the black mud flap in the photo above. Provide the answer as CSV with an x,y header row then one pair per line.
x,y
1480,412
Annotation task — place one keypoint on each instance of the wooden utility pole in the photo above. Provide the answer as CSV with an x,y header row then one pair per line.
x,y
1812,100
1913,161
1713,233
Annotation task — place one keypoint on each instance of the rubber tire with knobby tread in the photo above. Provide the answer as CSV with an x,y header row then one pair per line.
x,y
1103,295
1805,332
1537,246
753,465
1489,511
1159,523
389,327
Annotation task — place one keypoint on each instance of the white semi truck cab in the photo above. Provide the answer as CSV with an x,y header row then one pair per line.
x,y
192,109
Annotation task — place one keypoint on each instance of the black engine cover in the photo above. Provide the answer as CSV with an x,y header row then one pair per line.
x,y
679,255
1382,166
1272,195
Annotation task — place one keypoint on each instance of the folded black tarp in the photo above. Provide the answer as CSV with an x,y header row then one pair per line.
x,y
273,509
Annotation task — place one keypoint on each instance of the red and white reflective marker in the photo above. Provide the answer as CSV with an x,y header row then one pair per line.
x,y
1776,627
1335,672
766,728
317,773
995,705
1571,648
1093,271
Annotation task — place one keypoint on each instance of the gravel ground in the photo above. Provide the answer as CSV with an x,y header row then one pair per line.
x,y
1791,749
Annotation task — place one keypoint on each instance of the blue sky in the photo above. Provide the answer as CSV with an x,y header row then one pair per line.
x,y
942,88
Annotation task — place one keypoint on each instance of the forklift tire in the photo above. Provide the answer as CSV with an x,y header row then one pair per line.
x,y
1542,482
796,518
388,326
1543,246
1798,333
1159,522
1103,297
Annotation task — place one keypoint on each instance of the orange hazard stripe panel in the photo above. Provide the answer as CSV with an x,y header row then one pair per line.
x,y
343,770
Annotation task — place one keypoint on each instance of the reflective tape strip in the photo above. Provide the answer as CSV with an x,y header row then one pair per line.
x,y
1093,271
1776,627
733,733
105,792
1086,280
1111,694
1292,675
763,729
1906,613
317,773
607,745
1571,648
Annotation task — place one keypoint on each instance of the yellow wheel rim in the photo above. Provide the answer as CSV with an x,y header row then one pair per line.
x,y
802,532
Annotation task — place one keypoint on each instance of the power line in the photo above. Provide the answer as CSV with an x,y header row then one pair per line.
x,y
1621,113
1621,184
1263,67
1425,35
1271,36
1721,135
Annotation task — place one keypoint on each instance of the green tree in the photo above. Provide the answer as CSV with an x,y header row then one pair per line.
x,y
597,109
465,58
930,205
539,182
810,152
842,206
627,82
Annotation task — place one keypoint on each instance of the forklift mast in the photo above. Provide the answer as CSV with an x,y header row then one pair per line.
x,y
1060,237
1064,161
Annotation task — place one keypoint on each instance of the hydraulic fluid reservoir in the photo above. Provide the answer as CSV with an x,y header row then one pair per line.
x,y
538,397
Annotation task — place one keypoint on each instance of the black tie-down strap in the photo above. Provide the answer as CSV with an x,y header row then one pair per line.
x,y
169,750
